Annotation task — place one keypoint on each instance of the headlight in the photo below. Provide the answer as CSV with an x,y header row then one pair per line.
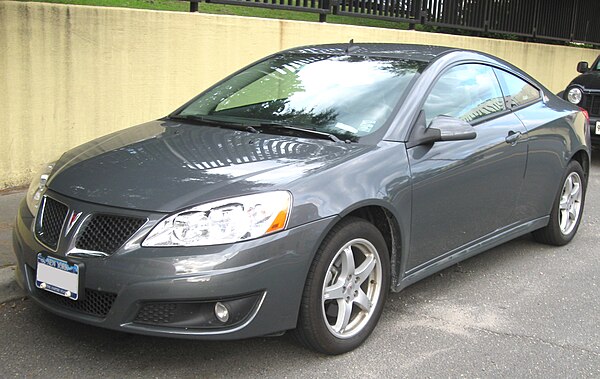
x,y
38,187
224,221
574,95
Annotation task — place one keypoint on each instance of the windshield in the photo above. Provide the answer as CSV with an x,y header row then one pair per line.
x,y
346,96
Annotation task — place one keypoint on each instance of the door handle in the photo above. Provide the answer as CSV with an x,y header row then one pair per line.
x,y
512,137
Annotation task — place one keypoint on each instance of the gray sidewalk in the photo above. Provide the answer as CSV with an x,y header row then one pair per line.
x,y
9,203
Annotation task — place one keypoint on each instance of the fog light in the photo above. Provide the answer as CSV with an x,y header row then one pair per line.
x,y
221,312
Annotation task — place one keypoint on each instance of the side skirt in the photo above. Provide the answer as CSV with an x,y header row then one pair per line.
x,y
467,251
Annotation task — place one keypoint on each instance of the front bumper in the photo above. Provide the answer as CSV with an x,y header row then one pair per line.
x,y
271,271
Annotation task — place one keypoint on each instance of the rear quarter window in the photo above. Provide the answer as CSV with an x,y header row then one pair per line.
x,y
518,91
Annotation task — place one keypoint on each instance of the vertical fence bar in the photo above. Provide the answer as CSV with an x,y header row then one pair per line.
x,y
536,18
412,12
325,5
574,20
422,11
486,16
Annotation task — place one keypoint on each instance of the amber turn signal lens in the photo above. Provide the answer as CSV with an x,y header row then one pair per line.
x,y
279,222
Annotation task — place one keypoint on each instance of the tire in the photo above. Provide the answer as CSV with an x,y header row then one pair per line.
x,y
340,307
566,210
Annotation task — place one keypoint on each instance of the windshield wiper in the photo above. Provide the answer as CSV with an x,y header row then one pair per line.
x,y
272,126
216,122
294,130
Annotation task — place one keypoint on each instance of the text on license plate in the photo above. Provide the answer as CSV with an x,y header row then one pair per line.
x,y
57,276
597,127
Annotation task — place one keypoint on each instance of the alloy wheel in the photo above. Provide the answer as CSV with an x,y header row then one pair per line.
x,y
570,203
351,288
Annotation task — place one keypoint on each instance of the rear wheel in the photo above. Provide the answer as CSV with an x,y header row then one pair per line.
x,y
346,288
567,209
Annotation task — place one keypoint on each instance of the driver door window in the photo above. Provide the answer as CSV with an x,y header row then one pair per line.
x,y
469,92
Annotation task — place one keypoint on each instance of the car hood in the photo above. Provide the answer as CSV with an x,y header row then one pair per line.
x,y
165,166
589,80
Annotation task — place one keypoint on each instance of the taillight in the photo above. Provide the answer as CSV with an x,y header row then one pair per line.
x,y
585,113
586,128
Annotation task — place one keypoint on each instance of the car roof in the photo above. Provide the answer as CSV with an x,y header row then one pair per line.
x,y
424,53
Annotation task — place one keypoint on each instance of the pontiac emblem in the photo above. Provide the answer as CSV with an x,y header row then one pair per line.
x,y
72,220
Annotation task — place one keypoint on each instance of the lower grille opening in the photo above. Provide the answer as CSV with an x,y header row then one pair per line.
x,y
199,314
95,303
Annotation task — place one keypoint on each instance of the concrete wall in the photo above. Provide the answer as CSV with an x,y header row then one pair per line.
x,y
71,73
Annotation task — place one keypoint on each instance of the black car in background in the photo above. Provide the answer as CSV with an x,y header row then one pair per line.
x,y
584,91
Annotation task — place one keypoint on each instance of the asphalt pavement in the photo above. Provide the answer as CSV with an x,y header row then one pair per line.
x,y
520,310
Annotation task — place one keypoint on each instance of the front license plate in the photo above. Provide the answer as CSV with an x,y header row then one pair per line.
x,y
57,276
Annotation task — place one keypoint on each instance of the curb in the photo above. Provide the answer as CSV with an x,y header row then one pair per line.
x,y
9,289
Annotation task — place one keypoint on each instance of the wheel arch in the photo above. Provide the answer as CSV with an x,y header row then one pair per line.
x,y
387,224
583,158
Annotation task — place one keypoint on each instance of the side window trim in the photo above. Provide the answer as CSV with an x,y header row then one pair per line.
x,y
489,117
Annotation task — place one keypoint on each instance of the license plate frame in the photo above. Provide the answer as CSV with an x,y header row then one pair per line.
x,y
59,276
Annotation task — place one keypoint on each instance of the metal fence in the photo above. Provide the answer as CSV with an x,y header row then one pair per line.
x,y
559,20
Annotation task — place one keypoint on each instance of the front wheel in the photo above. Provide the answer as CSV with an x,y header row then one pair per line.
x,y
567,209
346,288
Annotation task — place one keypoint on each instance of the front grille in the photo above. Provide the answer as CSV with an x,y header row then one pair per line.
x,y
95,303
592,104
51,218
107,233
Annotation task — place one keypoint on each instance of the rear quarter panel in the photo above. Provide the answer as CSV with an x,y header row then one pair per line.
x,y
556,131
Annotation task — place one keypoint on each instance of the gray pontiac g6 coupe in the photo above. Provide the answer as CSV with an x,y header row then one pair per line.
x,y
294,194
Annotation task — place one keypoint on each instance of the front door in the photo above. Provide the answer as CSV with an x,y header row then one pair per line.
x,y
465,190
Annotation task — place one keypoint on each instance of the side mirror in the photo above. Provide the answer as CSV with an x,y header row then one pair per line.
x,y
442,128
582,67
452,128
